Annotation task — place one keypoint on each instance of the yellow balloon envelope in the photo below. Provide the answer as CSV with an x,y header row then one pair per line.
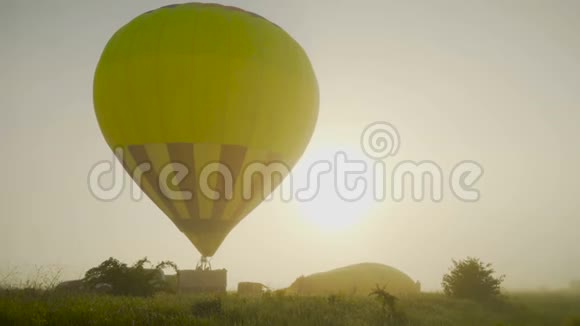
x,y
215,90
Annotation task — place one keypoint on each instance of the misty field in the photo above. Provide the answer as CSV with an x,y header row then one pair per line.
x,y
22,307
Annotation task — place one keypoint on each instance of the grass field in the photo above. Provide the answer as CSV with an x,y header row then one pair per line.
x,y
22,307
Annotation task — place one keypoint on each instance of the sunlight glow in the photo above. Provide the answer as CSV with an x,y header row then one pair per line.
x,y
327,210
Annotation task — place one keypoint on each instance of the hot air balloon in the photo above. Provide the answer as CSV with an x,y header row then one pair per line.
x,y
204,87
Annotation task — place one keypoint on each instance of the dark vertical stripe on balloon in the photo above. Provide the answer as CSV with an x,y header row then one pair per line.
x,y
257,185
140,156
182,153
232,158
123,160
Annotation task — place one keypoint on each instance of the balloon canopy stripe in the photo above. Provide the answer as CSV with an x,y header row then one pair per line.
x,y
140,156
158,164
182,153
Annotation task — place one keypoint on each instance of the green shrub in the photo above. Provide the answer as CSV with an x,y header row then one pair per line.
x,y
470,278
127,280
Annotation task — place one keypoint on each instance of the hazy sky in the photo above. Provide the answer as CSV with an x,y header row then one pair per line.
x,y
496,82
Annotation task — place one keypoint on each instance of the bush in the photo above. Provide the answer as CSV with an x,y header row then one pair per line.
x,y
393,315
472,279
121,279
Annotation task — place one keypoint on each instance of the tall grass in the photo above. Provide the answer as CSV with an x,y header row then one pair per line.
x,y
20,307
38,278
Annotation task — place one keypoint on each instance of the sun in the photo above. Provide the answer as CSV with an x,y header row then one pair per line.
x,y
324,206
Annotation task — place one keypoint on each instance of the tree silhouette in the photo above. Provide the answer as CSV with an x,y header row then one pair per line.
x,y
133,280
471,278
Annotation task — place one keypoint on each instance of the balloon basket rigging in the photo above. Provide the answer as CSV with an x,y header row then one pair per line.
x,y
204,264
